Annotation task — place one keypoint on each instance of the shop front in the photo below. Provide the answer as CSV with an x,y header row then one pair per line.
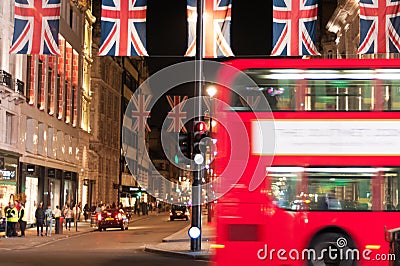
x,y
8,179
51,186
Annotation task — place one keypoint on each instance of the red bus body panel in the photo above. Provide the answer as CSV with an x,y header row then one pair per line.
x,y
253,211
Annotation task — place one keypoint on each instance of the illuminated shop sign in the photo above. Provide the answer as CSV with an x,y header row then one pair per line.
x,y
7,175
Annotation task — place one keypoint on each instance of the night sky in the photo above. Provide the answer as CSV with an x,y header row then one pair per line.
x,y
166,30
251,30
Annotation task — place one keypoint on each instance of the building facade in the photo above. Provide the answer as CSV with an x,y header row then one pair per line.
x,y
113,82
44,139
12,98
344,22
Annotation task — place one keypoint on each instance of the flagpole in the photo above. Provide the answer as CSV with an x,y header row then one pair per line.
x,y
195,243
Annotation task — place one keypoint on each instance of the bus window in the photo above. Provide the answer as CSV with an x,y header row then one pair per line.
x,y
318,92
329,189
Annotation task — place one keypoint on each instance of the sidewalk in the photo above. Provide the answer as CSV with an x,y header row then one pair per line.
x,y
178,244
32,240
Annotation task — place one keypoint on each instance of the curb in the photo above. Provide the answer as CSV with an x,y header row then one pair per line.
x,y
186,239
195,255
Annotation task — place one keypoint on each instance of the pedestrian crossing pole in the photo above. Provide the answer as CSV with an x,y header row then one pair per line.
x,y
195,230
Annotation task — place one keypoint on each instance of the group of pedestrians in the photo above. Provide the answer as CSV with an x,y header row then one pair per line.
x,y
15,214
71,215
45,218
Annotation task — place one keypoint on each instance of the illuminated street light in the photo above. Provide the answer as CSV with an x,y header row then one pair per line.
x,y
211,91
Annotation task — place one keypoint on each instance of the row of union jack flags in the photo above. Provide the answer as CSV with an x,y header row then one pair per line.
x,y
140,111
123,27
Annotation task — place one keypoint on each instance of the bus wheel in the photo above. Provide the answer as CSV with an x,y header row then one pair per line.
x,y
331,249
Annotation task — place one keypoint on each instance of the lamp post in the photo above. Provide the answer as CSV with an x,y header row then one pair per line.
x,y
123,152
211,91
195,229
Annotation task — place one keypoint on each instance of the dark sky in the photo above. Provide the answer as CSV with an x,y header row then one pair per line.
x,y
251,30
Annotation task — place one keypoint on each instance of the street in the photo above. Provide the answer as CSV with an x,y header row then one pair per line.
x,y
111,247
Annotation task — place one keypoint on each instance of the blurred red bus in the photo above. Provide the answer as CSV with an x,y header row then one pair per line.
x,y
330,184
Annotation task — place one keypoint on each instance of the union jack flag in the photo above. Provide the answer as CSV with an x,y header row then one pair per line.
x,y
36,27
140,113
294,27
379,26
216,28
177,114
123,28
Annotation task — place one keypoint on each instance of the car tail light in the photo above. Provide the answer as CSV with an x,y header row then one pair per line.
x,y
187,213
99,217
170,213
118,216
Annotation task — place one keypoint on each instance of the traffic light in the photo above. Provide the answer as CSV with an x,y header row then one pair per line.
x,y
184,144
200,132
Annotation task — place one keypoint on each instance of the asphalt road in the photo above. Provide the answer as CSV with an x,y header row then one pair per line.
x,y
111,247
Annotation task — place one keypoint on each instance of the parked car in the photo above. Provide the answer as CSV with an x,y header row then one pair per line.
x,y
110,218
179,212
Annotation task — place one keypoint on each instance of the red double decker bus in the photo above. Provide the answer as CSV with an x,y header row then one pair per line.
x,y
322,163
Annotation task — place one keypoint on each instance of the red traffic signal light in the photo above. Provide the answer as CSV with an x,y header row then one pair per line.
x,y
200,126
200,132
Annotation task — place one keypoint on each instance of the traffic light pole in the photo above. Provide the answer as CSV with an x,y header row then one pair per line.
x,y
195,243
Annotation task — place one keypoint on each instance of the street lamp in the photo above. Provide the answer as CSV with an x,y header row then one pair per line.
x,y
211,91
124,148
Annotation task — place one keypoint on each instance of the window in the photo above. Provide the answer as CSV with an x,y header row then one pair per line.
x,y
30,138
29,79
40,81
317,90
71,18
392,95
50,140
67,103
11,128
41,139
74,109
58,95
50,95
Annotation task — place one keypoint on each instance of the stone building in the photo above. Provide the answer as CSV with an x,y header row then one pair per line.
x,y
45,104
344,23
113,82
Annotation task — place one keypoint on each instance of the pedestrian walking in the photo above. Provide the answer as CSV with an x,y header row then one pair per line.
x,y
22,219
69,216
98,209
77,215
86,211
40,216
57,214
49,220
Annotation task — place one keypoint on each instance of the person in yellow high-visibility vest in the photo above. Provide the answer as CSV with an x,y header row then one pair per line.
x,y
7,211
12,219
22,219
